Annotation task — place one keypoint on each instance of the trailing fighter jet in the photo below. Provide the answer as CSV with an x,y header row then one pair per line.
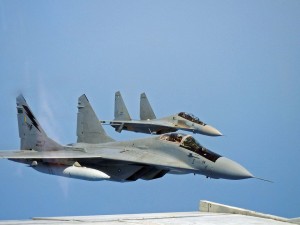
x,y
96,156
149,123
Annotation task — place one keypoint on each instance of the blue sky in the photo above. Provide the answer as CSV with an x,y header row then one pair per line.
x,y
234,64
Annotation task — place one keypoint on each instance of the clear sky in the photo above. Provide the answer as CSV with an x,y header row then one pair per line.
x,y
234,64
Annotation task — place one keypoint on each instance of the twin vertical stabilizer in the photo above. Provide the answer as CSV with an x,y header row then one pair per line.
x,y
32,135
146,111
121,112
89,128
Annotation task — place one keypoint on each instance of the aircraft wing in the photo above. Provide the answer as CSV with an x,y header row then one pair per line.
x,y
31,154
139,122
143,126
128,156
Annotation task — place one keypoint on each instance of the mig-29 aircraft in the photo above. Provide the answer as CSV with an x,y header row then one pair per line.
x,y
96,156
149,124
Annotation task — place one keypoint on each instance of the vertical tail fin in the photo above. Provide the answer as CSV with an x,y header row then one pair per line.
x,y
146,111
121,112
89,128
31,133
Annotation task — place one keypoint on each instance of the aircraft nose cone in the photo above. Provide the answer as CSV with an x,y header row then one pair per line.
x,y
229,169
211,131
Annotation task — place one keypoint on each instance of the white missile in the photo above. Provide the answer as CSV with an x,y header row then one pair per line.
x,y
83,173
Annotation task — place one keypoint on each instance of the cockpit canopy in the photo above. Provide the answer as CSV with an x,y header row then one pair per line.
x,y
191,118
189,143
173,137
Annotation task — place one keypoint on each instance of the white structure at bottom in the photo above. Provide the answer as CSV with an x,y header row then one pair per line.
x,y
210,214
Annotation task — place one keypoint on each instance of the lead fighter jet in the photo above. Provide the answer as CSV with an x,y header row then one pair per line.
x,y
96,156
149,123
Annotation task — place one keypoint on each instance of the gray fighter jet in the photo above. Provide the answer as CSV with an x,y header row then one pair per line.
x,y
96,156
149,123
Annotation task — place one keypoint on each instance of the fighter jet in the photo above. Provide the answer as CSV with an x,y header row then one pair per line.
x,y
150,125
96,156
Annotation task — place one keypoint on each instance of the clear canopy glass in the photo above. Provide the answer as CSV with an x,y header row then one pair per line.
x,y
191,118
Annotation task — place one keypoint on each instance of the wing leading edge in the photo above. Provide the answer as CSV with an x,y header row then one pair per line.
x,y
130,156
